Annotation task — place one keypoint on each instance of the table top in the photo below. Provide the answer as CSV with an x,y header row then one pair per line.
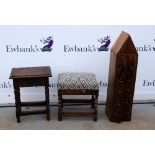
x,y
31,72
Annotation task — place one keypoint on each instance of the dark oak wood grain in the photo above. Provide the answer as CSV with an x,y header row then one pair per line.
x,y
30,72
122,76
30,77
93,102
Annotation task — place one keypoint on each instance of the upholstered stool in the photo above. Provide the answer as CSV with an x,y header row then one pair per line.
x,y
77,84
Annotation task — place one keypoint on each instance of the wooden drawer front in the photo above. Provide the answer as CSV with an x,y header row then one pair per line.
x,y
30,82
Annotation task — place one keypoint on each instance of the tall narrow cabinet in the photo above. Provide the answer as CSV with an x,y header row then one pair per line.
x,y
122,77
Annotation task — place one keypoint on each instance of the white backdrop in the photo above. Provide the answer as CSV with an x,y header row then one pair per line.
x,y
20,46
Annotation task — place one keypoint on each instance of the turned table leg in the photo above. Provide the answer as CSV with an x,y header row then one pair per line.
x,y
92,101
47,100
95,107
60,106
17,102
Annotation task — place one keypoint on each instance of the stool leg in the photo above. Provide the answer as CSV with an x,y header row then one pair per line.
x,y
92,102
95,108
17,102
60,106
47,100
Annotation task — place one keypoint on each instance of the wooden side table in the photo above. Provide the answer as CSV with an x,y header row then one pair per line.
x,y
30,77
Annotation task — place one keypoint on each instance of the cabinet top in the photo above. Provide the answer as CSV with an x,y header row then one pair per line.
x,y
124,44
30,72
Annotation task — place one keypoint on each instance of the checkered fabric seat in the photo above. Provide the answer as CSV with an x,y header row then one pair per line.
x,y
77,81
77,84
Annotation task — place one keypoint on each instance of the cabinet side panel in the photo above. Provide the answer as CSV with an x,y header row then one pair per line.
x,y
110,84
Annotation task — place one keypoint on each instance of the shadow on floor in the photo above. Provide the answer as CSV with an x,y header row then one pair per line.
x,y
143,118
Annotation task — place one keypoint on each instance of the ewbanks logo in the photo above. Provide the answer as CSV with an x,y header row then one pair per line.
x,y
47,47
104,43
19,49
146,47
48,43
104,46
